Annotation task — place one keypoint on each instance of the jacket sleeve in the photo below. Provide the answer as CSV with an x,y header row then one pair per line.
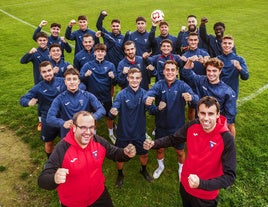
x,y
112,152
244,75
173,140
203,33
68,33
67,47
24,100
53,112
46,178
228,165
26,58
38,29
97,107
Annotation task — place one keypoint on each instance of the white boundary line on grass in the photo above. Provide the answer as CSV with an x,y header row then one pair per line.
x,y
24,22
240,101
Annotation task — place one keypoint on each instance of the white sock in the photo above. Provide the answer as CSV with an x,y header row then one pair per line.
x,y
161,163
180,167
111,131
95,132
39,118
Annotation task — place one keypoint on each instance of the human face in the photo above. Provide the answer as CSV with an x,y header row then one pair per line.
x,y
170,72
164,30
47,73
193,42
72,82
227,46
192,23
115,27
82,24
55,31
208,117
134,80
88,43
130,51
166,48
84,130
42,42
141,26
55,53
99,54
213,74
219,31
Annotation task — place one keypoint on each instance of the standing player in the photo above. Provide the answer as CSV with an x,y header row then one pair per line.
x,y
59,65
99,76
211,85
171,96
129,106
234,66
113,40
211,155
155,42
54,37
65,105
44,93
78,34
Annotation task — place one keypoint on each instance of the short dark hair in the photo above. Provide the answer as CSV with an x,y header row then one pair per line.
x,y
173,62
166,41
214,62
116,21
54,45
44,64
191,15
82,17
100,46
71,71
55,25
140,18
163,23
209,101
41,34
129,42
219,24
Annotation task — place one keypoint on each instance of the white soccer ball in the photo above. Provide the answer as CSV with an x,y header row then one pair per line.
x,y
157,15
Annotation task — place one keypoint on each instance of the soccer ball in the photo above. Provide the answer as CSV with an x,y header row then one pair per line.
x,y
157,15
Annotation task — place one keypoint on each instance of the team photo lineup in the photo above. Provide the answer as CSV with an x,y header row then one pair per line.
x,y
188,82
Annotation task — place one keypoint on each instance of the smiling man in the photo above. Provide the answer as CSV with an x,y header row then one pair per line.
x,y
211,155
211,85
75,166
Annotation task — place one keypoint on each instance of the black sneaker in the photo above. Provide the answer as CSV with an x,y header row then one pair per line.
x,y
119,181
146,175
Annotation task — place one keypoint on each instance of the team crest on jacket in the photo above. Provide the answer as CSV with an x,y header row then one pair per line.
x,y
212,144
81,101
95,154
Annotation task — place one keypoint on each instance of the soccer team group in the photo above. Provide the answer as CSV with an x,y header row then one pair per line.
x,y
161,75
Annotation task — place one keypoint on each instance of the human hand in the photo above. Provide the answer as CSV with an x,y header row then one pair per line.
x,y
88,73
32,102
56,69
130,150
193,181
125,70
148,144
187,96
43,23
60,175
98,34
111,74
162,105
189,64
114,111
68,124
149,100
104,13
183,28
204,20
145,55
72,23
150,67
63,39
33,50
237,65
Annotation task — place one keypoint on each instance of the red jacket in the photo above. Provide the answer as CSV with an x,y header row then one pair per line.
x,y
85,181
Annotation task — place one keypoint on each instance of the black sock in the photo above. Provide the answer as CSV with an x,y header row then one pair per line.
x,y
143,168
120,172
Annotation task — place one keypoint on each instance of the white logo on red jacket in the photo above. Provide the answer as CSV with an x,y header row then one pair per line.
x,y
74,159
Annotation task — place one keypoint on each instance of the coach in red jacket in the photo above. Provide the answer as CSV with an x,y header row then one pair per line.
x,y
211,155
75,165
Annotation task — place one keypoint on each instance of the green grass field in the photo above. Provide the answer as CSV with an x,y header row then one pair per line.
x,y
246,20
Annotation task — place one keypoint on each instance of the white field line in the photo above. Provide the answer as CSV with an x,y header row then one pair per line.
x,y
240,101
24,22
